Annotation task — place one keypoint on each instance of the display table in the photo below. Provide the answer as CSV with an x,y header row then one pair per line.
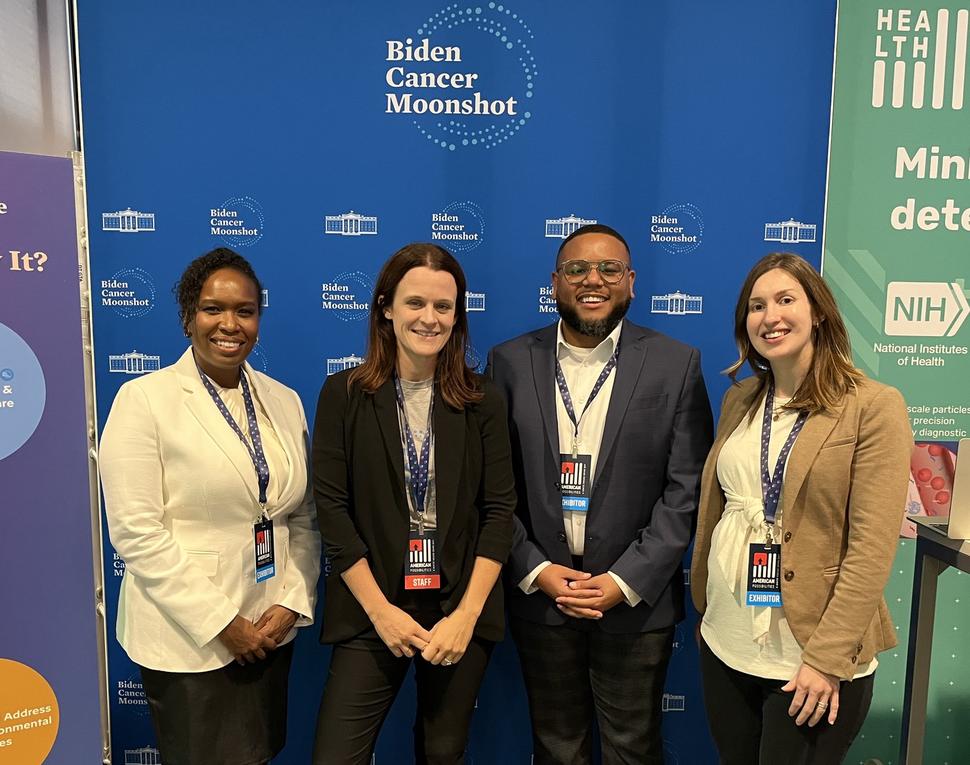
x,y
935,551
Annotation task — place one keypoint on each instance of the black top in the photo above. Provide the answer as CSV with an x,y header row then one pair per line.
x,y
358,484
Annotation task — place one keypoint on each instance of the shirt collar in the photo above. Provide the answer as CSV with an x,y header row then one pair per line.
x,y
604,350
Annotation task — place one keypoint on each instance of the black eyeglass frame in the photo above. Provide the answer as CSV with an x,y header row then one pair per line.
x,y
578,278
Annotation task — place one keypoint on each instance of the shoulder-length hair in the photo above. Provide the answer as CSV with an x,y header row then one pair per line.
x,y
456,381
832,372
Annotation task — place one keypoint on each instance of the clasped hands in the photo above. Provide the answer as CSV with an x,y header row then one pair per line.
x,y
249,641
577,593
445,643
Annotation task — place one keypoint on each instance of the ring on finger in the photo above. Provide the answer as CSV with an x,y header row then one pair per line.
x,y
447,662
822,705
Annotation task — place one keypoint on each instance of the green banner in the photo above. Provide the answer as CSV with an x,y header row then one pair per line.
x,y
896,252
897,224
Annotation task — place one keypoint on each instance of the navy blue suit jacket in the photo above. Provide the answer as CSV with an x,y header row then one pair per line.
x,y
645,489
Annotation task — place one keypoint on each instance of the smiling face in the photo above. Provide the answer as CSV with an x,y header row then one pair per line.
x,y
423,315
780,321
592,308
225,325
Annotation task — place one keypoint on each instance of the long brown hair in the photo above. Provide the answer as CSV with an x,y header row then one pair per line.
x,y
456,381
832,372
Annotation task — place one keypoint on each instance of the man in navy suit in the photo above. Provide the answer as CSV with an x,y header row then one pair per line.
x,y
610,425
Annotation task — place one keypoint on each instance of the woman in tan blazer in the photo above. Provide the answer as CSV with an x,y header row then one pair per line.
x,y
801,501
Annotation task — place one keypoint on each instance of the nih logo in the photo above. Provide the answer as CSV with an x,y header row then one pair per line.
x,y
925,309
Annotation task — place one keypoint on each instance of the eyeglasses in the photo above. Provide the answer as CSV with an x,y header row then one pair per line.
x,y
611,271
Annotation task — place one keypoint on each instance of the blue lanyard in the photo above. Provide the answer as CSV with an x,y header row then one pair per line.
x,y
567,400
771,484
418,467
256,450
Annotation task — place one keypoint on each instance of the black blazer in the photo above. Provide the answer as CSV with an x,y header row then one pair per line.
x,y
358,484
644,503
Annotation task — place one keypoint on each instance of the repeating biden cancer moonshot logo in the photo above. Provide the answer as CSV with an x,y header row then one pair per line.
x,y
347,296
130,293
239,221
679,228
465,77
460,226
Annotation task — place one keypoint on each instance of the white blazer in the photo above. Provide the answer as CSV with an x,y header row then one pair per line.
x,y
180,496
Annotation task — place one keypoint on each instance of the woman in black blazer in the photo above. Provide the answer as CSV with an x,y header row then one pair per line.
x,y
414,491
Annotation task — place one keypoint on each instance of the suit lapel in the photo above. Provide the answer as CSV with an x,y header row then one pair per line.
x,y
200,404
633,353
385,407
814,433
544,375
286,435
449,454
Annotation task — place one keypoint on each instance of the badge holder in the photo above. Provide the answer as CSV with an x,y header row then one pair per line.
x,y
574,481
265,549
764,575
421,565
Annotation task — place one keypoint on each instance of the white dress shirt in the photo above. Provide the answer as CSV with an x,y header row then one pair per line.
x,y
582,367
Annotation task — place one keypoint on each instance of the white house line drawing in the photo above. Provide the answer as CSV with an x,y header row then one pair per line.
x,y
344,362
560,228
676,303
791,231
350,224
127,221
134,363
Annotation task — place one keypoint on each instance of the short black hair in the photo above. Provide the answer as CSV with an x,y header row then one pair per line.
x,y
593,228
189,286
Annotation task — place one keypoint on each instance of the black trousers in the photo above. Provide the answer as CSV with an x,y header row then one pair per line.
x,y
749,718
573,673
362,683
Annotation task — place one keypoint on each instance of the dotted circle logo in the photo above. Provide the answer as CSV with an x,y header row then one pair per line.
x,y
258,359
685,229
485,28
240,222
131,293
462,230
348,295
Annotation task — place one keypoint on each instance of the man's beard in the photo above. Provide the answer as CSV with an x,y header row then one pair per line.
x,y
598,328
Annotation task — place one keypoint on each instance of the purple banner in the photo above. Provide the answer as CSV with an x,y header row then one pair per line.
x,y
49,706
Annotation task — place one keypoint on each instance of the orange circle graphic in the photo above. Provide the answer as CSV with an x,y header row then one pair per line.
x,y
29,715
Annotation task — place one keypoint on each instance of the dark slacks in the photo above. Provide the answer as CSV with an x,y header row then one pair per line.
x,y
362,683
749,718
573,673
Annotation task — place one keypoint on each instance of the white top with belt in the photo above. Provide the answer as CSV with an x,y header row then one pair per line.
x,y
756,640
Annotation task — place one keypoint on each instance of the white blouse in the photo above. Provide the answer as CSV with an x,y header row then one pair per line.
x,y
756,640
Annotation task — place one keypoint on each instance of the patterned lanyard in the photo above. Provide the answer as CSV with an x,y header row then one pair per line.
x,y
418,468
256,450
567,400
771,484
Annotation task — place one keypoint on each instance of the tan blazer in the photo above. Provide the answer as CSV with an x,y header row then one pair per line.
x,y
842,503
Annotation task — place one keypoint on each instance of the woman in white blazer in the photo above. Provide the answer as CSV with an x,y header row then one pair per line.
x,y
204,469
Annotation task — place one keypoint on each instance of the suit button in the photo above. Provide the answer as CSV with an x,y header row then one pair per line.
x,y
562,536
788,536
789,575
853,659
859,648
558,486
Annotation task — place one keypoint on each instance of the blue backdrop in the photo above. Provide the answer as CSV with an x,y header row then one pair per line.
x,y
319,140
